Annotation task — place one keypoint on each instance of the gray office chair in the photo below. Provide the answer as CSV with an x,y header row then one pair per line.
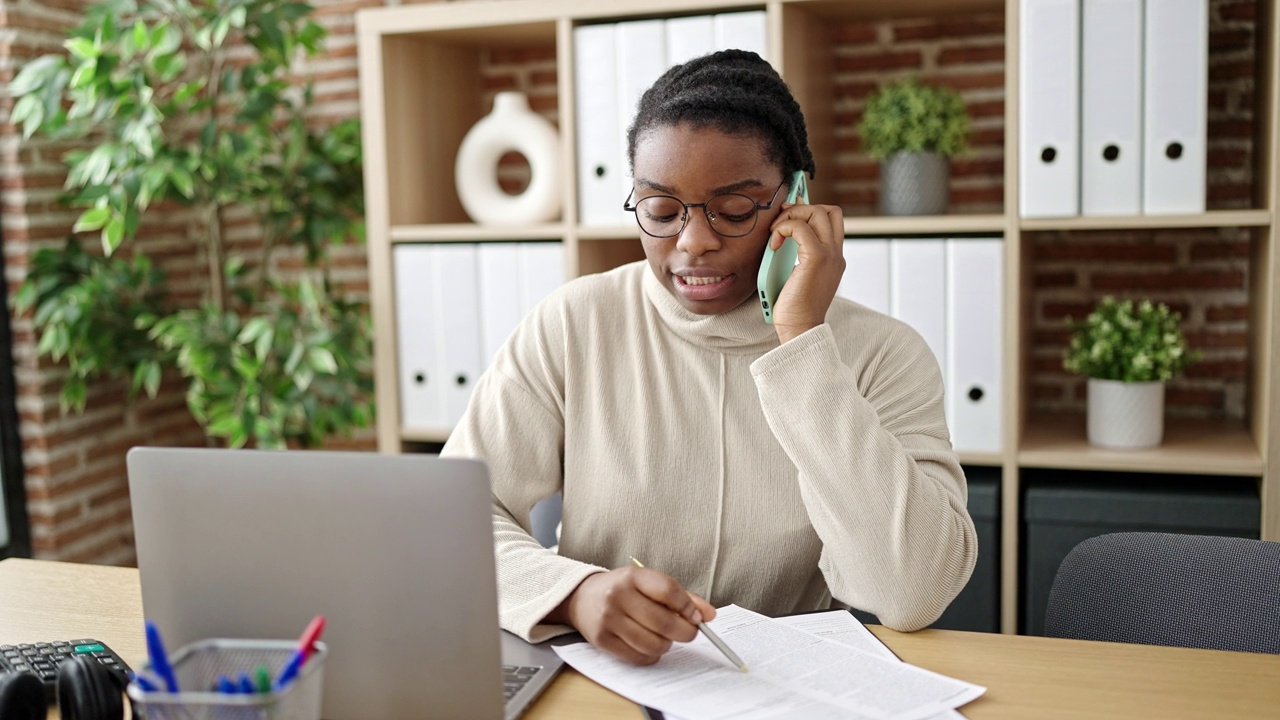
x,y
1164,589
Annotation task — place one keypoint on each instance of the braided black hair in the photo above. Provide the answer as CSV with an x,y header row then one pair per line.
x,y
734,91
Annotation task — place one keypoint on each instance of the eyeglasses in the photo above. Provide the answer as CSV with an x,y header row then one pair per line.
x,y
730,215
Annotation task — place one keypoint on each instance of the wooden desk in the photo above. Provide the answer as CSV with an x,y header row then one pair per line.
x,y
1026,677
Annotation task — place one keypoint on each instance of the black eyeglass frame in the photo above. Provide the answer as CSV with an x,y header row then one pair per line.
x,y
711,216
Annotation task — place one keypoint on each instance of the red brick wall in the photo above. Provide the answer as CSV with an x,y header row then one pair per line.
x,y
964,53
75,467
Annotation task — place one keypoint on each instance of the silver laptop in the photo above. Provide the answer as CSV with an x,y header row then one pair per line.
x,y
395,550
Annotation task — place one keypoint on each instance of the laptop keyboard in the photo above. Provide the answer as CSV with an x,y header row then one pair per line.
x,y
515,677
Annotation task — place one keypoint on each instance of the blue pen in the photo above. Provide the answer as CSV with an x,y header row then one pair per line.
x,y
300,655
146,685
290,670
160,659
226,686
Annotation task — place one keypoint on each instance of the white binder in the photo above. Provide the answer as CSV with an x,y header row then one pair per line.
x,y
1177,65
414,271
866,273
1049,108
918,291
500,308
1111,107
457,304
596,119
541,272
742,31
688,38
975,320
642,58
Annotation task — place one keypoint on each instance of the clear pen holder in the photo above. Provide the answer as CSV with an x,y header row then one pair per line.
x,y
198,665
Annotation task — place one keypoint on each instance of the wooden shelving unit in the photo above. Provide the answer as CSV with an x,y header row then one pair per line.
x,y
421,91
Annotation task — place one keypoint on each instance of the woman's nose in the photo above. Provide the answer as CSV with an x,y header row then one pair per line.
x,y
697,237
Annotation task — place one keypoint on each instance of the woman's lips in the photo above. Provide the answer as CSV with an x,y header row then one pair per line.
x,y
702,287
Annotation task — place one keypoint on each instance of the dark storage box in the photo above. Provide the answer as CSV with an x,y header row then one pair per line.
x,y
1064,508
977,607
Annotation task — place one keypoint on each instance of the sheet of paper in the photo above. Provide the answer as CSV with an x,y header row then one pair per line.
x,y
842,627
794,674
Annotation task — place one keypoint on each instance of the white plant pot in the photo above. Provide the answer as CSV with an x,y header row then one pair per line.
x,y
1125,416
511,126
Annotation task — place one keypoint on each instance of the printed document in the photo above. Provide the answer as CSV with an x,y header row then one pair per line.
x,y
794,674
842,627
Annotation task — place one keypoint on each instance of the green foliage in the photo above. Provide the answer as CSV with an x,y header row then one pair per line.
x,y
289,375
85,308
192,102
906,116
1129,342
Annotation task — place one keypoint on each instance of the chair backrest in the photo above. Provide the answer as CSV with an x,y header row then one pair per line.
x,y
1165,589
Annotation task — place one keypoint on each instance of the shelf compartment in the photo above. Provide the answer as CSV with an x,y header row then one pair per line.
x,y
466,232
1190,446
422,134
1211,219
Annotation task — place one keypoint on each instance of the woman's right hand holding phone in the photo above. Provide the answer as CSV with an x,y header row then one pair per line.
x,y
633,613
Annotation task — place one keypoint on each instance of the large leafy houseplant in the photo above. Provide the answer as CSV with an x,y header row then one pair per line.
x,y
193,103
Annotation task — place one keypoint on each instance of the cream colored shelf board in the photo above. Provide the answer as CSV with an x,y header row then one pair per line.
x,y
609,232
425,434
1191,446
923,225
1213,218
465,232
980,458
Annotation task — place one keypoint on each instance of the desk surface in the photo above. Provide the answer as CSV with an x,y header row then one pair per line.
x,y
1025,676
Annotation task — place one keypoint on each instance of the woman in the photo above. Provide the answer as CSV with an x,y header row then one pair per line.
x,y
772,466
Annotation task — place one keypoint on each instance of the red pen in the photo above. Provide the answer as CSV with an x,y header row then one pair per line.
x,y
305,644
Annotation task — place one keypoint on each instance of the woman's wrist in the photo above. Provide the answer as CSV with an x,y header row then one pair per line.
x,y
562,614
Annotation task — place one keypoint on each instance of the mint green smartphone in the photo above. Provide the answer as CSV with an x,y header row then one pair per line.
x,y
776,266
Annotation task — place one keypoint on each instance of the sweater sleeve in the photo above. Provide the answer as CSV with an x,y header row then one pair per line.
x,y
883,488
515,423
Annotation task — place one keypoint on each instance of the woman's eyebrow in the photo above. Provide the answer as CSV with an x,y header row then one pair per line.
x,y
733,187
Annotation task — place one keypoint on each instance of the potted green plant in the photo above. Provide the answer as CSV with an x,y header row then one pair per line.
x,y
195,104
913,130
1128,350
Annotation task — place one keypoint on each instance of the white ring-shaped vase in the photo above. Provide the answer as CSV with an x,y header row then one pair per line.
x,y
511,126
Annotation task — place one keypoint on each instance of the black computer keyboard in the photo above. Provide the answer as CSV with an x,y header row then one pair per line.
x,y
43,659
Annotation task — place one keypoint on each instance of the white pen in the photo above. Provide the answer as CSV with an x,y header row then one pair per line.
x,y
715,639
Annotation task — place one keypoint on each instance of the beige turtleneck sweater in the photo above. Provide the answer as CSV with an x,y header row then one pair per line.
x,y
774,477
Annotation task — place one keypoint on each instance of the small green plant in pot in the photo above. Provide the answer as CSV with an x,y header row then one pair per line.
x,y
1128,350
913,130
